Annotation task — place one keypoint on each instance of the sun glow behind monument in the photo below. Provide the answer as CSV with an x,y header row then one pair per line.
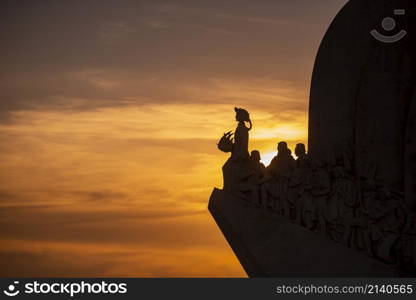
x,y
266,158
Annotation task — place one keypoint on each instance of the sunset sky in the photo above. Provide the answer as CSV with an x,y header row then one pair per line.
x,y
109,116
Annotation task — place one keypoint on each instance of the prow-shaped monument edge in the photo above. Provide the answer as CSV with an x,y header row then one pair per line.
x,y
267,245
347,208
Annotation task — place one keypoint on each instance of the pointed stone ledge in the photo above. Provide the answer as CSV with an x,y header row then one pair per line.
x,y
268,245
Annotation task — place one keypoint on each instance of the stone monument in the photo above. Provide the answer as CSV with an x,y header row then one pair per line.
x,y
347,208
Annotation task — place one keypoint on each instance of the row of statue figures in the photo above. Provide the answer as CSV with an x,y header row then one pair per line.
x,y
325,197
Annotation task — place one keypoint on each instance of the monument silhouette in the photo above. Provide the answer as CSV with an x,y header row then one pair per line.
x,y
347,207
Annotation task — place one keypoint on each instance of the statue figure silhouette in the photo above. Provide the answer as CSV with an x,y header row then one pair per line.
x,y
240,149
239,170
260,169
259,176
283,162
302,158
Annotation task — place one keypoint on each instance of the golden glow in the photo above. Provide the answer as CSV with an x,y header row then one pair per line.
x,y
267,158
130,185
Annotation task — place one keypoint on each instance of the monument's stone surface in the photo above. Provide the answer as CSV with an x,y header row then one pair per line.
x,y
410,156
363,92
269,246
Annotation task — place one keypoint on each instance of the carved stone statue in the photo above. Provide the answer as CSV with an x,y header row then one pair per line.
x,y
239,170
259,173
240,149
